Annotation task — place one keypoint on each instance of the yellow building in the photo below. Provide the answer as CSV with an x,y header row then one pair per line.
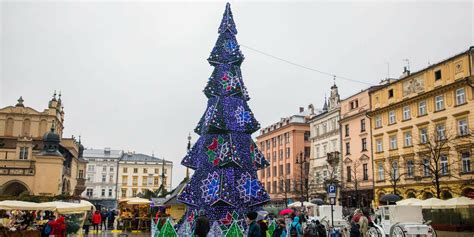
x,y
431,106
34,158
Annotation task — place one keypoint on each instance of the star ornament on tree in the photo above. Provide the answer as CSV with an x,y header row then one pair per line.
x,y
210,187
242,116
218,150
248,187
230,46
229,81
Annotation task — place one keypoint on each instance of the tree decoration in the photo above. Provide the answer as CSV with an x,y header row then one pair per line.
x,y
225,157
167,230
215,230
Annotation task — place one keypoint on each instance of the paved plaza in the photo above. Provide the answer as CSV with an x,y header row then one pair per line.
x,y
110,234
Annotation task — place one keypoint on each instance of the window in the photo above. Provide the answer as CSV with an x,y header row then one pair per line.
x,y
393,142
307,134
111,178
23,153
81,174
274,143
426,167
325,150
274,171
422,108
437,75
156,179
125,169
90,192
354,104
90,168
111,169
317,152
288,168
443,164
390,93
135,170
157,171
268,172
348,148
281,154
460,96
287,137
274,188
287,152
124,192
439,102
466,162
407,136
124,180
135,180
406,113
391,117
274,156
362,125
462,127
280,170
102,193
110,192
134,192
90,178
379,145
346,127
144,180
441,131
365,170
364,144
381,171
104,168
262,145
268,144
423,135
378,121
145,170
410,166
349,174
104,178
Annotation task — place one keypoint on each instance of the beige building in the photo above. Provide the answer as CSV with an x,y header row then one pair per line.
x,y
137,172
431,106
356,176
281,143
325,138
34,158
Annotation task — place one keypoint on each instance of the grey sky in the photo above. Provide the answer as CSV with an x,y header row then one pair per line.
x,y
132,74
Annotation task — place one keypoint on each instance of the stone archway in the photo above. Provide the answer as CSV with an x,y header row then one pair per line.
x,y
14,188
445,194
427,195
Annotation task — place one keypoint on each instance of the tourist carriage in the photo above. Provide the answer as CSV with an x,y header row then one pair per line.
x,y
400,221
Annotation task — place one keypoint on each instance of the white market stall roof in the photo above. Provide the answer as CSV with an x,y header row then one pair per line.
x,y
135,201
438,203
60,207
298,204
410,202
458,202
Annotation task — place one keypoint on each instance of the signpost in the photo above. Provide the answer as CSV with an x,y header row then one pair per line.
x,y
332,190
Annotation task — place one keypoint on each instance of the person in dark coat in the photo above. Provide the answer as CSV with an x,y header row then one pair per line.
x,y
202,225
254,229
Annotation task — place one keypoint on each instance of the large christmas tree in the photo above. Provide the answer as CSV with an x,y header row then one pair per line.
x,y
225,158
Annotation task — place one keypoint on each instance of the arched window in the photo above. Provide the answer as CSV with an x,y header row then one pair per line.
x,y
446,195
42,128
9,127
411,195
25,130
427,195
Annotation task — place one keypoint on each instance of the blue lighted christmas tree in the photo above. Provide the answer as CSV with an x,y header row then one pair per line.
x,y
225,158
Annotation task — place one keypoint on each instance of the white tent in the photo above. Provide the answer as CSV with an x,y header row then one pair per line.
x,y
136,201
67,207
458,202
410,202
25,206
432,203
298,204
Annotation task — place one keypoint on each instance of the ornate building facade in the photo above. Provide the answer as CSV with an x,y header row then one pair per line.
x,y
325,138
101,176
34,157
413,115
281,143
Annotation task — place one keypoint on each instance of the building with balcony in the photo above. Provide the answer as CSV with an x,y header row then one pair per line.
x,y
414,116
281,143
101,176
325,138
138,172
34,157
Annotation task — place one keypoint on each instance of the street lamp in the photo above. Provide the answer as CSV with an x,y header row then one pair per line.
x,y
301,161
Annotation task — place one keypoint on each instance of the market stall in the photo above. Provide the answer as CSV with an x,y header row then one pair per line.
x,y
30,219
134,214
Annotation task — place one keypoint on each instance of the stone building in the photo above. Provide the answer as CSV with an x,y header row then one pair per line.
x,y
431,106
281,143
138,172
101,176
34,157
325,138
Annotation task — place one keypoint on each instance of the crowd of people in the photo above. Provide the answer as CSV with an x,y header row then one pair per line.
x,y
99,220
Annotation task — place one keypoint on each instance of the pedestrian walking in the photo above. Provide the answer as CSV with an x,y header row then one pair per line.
x,y
96,220
295,227
363,225
88,222
103,216
254,229
202,225
321,229
280,230
263,228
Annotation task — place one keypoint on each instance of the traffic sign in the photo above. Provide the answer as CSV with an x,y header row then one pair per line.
x,y
332,201
332,190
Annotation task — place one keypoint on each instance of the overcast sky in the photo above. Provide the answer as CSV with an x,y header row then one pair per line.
x,y
132,74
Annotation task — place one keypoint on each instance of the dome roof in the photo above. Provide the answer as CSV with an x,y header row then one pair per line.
x,y
51,136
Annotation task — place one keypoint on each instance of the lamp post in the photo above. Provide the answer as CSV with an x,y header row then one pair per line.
x,y
301,161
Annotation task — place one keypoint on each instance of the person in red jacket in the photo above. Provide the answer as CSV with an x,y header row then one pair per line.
x,y
96,219
58,227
